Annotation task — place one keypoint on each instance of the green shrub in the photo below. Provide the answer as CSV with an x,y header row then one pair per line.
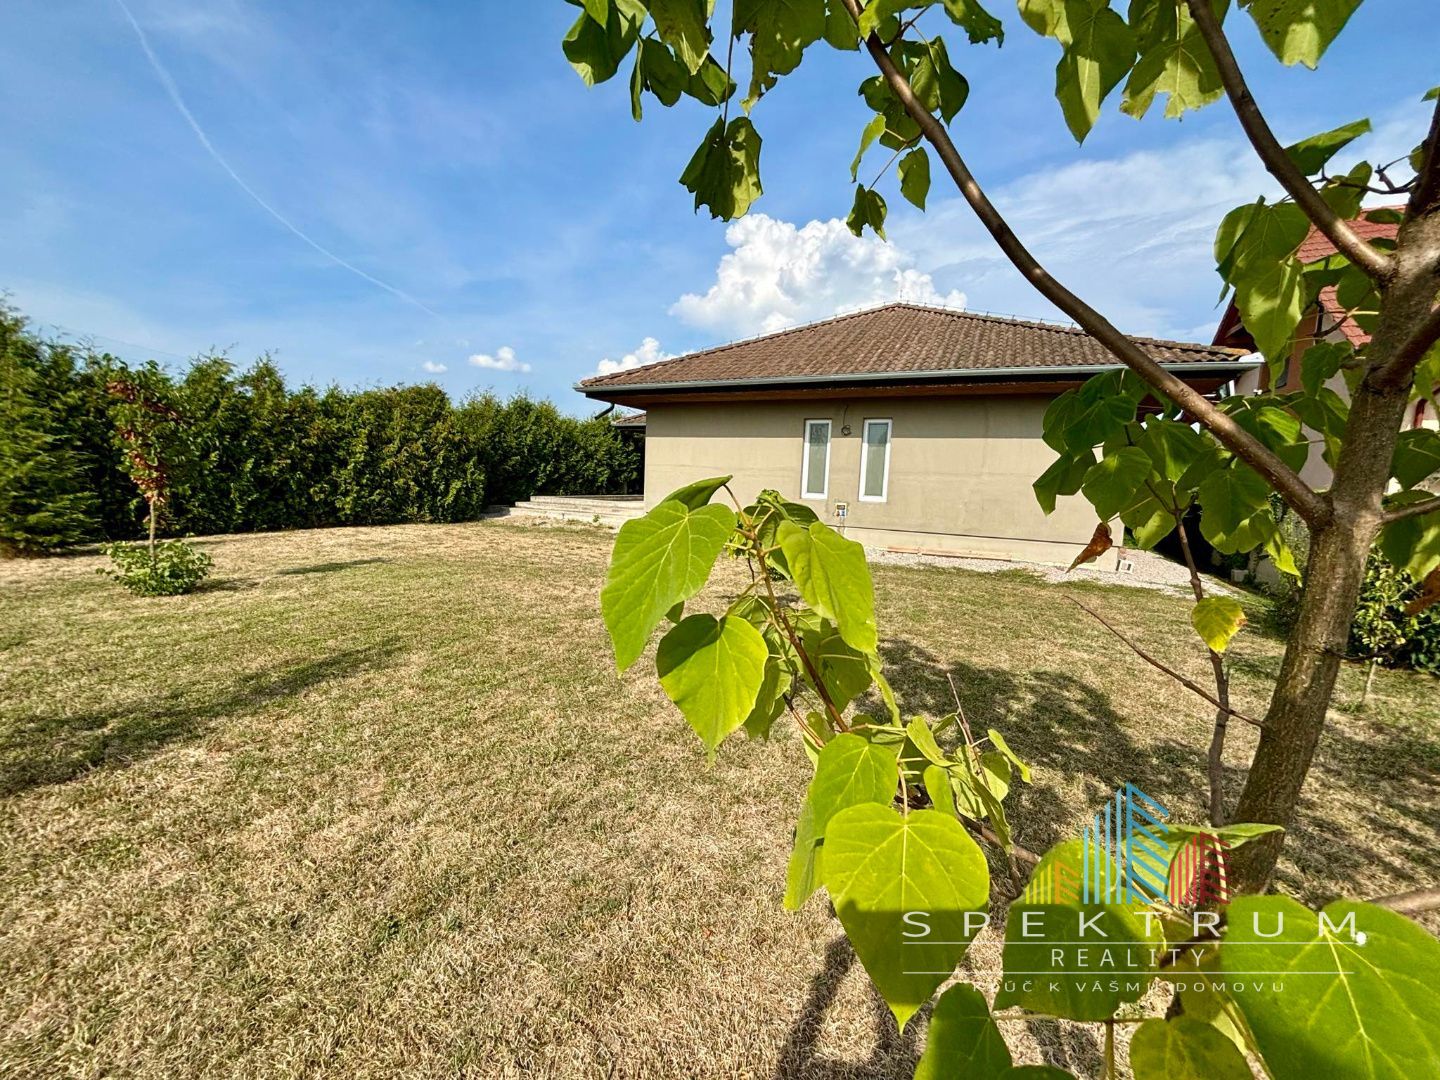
x,y
174,567
1381,630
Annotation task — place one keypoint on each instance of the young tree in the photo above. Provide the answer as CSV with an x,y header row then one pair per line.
x,y
44,501
1148,473
147,428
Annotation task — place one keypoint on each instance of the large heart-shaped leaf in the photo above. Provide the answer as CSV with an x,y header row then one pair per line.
x,y
1357,999
881,866
850,771
1183,1048
831,576
1069,958
963,1039
659,560
713,670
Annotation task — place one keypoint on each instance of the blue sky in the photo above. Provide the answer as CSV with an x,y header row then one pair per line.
x,y
504,223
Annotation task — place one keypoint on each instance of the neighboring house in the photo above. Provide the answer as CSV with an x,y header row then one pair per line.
x,y
910,428
1326,321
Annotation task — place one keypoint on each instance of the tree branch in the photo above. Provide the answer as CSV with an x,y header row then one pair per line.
x,y
1273,155
1425,195
1181,679
1398,370
1410,510
1313,507
1410,903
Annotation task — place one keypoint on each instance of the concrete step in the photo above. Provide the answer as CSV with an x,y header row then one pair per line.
x,y
588,515
585,504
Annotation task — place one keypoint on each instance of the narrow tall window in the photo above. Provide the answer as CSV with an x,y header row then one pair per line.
x,y
875,461
815,468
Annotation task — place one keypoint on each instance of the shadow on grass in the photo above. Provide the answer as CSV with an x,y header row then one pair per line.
x,y
1066,727
43,749
329,567
894,1055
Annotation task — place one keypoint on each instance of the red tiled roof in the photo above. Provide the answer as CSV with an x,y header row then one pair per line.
x,y
1317,246
897,340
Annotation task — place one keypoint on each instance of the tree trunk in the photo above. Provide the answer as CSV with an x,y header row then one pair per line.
x,y
1336,570
1302,695
152,533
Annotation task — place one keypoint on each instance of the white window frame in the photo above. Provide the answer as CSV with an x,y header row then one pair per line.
x,y
805,492
865,458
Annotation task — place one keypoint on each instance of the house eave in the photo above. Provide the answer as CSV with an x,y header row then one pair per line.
x,y
1211,368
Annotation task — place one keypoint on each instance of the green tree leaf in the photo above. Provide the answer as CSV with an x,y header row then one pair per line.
x,y
1417,456
1183,1048
915,176
1172,446
1373,1011
1299,31
712,669
850,771
1236,509
868,209
1089,981
595,49
724,174
873,130
659,560
1311,155
1064,477
1254,237
831,576
781,31
770,701
684,26
1173,59
979,25
1322,362
840,30
880,865
697,494
963,1039
1099,49
1412,544
845,673
998,741
1117,481
1271,302
1217,619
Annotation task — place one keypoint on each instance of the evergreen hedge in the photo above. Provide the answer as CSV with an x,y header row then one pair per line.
x,y
257,455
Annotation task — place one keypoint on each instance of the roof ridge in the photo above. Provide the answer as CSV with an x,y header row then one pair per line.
x,y
893,305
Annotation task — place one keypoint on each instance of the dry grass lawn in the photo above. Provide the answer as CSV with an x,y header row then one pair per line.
x,y
374,803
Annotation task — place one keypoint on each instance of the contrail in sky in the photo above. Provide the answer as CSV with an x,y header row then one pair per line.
x,y
174,91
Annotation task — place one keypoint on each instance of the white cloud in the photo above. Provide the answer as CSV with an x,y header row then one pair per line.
x,y
433,368
503,360
779,275
649,352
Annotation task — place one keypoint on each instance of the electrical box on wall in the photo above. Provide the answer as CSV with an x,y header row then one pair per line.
x,y
841,510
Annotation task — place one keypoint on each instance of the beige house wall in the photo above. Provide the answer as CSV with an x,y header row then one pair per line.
x,y
961,470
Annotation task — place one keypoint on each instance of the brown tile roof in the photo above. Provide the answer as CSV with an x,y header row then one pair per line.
x,y
630,419
1314,247
897,340
1318,246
